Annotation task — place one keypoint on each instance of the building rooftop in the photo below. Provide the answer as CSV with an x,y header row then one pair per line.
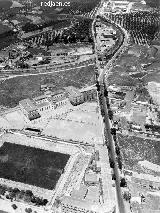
x,y
28,105
57,92
58,99
44,104
72,91
39,98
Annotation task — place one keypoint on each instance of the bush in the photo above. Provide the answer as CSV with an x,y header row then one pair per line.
x,y
14,206
119,164
111,163
123,182
117,150
110,114
127,196
28,210
113,131
113,177
2,190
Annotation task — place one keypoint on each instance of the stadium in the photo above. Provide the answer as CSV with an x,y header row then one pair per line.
x,y
35,171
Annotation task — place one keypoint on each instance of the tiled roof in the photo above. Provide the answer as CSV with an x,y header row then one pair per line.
x,y
28,105
41,97
43,104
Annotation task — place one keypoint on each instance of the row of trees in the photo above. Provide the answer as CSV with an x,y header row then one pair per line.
x,y
29,27
27,196
113,130
78,32
81,31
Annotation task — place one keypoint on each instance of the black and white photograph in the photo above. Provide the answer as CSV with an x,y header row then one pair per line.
x,y
79,106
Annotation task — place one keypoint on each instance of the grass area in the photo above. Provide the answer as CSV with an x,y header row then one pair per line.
x,y
5,4
14,90
31,166
121,80
4,28
129,67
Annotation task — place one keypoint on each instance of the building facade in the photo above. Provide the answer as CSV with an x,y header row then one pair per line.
x,y
77,97
29,109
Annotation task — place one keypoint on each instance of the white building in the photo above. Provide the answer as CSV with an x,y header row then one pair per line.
x,y
120,5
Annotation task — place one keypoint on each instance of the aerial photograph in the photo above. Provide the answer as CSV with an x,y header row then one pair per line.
x,y
79,106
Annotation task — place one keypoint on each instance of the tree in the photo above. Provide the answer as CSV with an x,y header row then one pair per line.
x,y
2,190
113,131
45,201
127,196
117,150
119,163
111,163
16,190
113,177
123,182
29,193
28,210
12,195
21,194
105,93
57,202
33,199
110,114
38,201
14,206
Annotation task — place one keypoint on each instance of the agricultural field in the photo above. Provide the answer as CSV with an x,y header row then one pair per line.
x,y
31,166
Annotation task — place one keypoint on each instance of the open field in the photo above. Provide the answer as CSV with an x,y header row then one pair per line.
x,y
136,149
31,166
81,124
72,130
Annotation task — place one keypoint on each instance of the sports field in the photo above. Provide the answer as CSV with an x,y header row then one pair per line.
x,y
31,166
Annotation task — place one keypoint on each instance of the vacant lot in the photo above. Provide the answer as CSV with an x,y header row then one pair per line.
x,y
31,166
136,149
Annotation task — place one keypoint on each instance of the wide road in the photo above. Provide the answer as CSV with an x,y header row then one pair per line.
x,y
103,85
